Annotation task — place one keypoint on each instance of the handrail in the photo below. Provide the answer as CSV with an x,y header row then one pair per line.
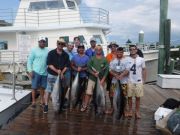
x,y
12,59
58,16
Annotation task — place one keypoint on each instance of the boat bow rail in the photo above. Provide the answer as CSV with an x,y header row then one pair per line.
x,y
82,15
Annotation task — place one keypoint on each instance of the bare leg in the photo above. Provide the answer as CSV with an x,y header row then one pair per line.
x,y
46,97
42,95
138,108
86,102
130,106
33,97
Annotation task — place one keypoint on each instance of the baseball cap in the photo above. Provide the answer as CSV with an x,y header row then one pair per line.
x,y
92,39
42,38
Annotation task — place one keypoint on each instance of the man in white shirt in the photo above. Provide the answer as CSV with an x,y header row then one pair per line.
x,y
137,77
119,70
76,44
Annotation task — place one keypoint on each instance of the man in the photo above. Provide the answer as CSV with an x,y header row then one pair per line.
x,y
68,78
91,51
100,64
119,70
58,62
68,50
36,66
76,44
111,56
79,64
137,77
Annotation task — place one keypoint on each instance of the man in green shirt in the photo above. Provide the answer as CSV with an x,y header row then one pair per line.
x,y
98,68
36,66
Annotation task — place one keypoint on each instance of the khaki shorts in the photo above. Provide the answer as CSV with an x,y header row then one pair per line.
x,y
91,85
136,90
114,86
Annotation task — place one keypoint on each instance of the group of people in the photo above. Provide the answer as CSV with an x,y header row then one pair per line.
x,y
67,60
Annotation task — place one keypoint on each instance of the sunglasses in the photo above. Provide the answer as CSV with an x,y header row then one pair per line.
x,y
61,44
42,41
132,49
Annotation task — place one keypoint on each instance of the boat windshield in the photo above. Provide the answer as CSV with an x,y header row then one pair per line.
x,y
43,5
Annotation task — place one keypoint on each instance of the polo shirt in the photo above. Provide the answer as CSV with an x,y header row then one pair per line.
x,y
80,61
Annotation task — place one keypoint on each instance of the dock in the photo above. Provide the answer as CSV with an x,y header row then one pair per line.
x,y
35,122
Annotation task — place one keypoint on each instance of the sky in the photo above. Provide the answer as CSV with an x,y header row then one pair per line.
x,y
128,17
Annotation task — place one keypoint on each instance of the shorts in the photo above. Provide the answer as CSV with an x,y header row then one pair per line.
x,y
114,86
91,86
51,79
136,90
38,81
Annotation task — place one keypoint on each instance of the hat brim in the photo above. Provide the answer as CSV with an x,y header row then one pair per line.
x,y
110,46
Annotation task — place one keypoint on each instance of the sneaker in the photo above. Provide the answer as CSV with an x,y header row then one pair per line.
x,y
84,108
33,106
45,108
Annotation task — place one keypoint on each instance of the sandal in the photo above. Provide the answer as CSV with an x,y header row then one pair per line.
x,y
84,108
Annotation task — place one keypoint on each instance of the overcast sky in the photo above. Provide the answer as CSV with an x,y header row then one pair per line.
x,y
128,17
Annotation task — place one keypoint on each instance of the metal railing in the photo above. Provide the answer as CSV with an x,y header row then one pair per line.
x,y
27,18
177,64
12,62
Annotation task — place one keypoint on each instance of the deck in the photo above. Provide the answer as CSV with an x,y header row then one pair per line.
x,y
34,122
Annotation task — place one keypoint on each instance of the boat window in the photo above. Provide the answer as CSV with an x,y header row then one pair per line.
x,y
46,42
98,39
82,40
43,5
52,4
3,45
34,6
70,4
66,38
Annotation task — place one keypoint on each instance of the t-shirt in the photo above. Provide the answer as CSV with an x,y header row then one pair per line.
x,y
74,51
37,60
71,54
119,65
110,57
100,65
135,69
80,61
91,52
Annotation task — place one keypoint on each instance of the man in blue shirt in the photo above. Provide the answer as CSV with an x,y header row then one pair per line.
x,y
91,51
79,64
36,66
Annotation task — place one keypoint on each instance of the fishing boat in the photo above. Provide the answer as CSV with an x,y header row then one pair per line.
x,y
54,19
